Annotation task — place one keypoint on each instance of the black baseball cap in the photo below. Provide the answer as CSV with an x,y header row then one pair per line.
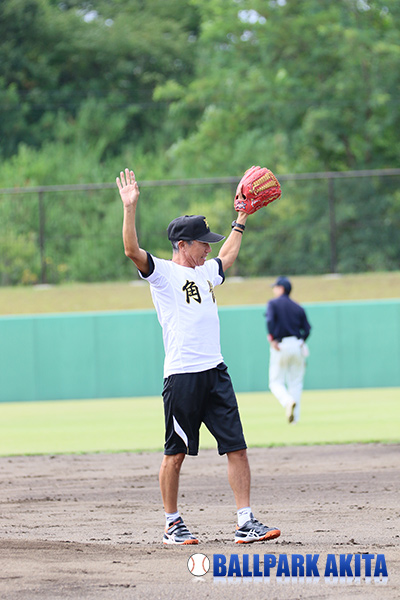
x,y
190,228
284,282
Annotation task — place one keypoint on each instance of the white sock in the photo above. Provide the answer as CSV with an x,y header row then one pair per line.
x,y
243,514
170,517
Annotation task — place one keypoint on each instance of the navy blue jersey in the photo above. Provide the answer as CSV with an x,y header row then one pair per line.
x,y
286,318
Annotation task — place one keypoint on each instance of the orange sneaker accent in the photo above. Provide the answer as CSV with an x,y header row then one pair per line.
x,y
177,533
270,535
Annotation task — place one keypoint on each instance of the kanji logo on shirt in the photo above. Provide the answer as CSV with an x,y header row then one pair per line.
x,y
192,291
211,290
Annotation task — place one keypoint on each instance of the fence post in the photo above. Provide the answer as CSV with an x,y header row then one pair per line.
x,y
332,226
42,240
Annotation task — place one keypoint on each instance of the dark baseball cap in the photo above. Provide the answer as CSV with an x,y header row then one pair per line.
x,y
190,228
284,282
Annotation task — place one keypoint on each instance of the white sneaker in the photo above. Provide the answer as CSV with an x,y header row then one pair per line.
x,y
178,533
254,531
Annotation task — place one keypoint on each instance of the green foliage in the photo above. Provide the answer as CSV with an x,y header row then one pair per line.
x,y
312,72
19,253
54,56
19,260
196,89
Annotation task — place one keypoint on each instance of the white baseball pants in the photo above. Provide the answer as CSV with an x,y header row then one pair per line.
x,y
286,373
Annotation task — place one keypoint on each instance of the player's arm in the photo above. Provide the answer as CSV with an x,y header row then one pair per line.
x,y
257,188
230,249
129,192
305,327
270,318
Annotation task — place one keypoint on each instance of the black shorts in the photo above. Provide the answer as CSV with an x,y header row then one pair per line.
x,y
191,399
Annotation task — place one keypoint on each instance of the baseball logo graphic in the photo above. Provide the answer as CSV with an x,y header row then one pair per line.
x,y
198,564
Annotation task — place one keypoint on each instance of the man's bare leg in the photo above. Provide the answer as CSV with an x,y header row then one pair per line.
x,y
248,529
176,531
169,480
239,477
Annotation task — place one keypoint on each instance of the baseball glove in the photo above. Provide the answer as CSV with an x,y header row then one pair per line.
x,y
259,187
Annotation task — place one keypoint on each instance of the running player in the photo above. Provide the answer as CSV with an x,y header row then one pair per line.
x,y
288,329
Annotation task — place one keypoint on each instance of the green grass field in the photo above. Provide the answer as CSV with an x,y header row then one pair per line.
x,y
136,424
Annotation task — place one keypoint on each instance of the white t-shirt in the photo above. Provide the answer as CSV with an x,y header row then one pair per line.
x,y
187,311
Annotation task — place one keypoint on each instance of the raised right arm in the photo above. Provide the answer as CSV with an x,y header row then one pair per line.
x,y
129,192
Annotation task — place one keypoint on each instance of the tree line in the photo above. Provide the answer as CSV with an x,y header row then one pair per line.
x,y
199,88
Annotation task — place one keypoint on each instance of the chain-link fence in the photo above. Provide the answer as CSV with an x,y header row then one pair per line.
x,y
332,222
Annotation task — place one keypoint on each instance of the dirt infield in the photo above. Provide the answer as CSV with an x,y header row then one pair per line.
x,y
90,526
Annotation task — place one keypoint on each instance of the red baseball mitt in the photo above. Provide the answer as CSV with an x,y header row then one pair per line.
x,y
259,187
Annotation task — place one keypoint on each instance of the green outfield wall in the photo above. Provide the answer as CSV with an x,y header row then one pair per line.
x,y
120,354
